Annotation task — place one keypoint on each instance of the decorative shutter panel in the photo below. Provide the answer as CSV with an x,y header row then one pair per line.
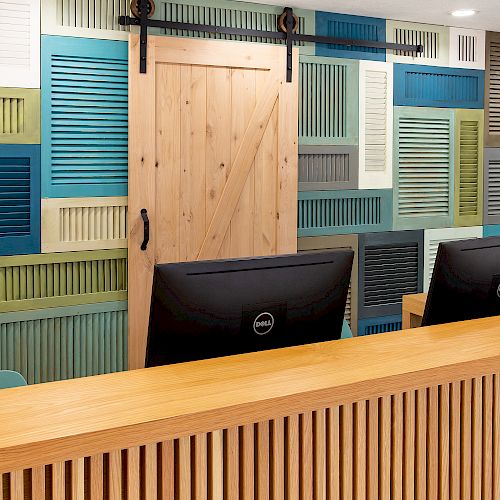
x,y
438,87
375,125
435,40
469,167
19,116
491,186
423,168
20,43
19,199
85,18
493,230
432,238
352,28
328,101
338,242
323,213
374,326
328,167
65,342
492,102
70,224
85,117
230,14
62,279
390,266
467,48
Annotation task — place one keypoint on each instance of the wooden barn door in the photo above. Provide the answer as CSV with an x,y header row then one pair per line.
x,y
213,159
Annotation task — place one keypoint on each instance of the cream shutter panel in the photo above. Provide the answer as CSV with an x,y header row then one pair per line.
x,y
375,125
467,48
20,43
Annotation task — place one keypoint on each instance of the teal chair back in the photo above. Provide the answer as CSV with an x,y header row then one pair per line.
x,y
346,331
10,379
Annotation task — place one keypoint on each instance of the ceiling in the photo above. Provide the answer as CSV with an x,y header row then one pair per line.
x,y
423,11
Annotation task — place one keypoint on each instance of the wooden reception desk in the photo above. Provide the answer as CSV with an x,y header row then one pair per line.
x,y
413,415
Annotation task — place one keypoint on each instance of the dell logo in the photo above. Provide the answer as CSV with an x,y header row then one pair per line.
x,y
263,323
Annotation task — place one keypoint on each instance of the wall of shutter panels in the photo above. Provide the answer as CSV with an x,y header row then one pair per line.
x,y
333,242
351,28
85,18
467,48
328,101
328,167
70,224
438,87
423,168
20,43
62,279
432,238
491,186
435,40
492,230
65,342
469,140
19,199
373,326
323,213
390,266
230,14
492,86
84,117
19,116
375,125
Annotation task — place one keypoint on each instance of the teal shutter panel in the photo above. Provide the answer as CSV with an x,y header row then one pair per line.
x,y
65,342
328,101
383,324
19,199
323,213
423,168
492,230
84,117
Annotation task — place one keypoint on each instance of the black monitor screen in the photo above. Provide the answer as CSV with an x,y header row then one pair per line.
x,y
465,283
218,308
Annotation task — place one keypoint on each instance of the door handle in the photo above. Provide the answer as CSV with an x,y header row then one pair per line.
x,y
145,219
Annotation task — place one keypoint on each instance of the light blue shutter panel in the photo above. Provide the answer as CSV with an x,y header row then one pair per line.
x,y
438,87
491,230
350,28
84,117
19,199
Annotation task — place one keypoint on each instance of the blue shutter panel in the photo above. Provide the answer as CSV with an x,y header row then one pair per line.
x,y
351,28
84,117
19,199
382,324
438,87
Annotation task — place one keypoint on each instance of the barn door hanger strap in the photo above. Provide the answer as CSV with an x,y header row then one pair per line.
x,y
287,30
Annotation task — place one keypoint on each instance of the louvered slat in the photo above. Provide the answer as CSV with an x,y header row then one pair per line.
x,y
62,279
469,167
19,116
423,168
467,48
19,199
328,101
492,104
432,238
438,87
344,212
383,324
85,119
435,40
492,186
20,43
376,125
65,342
390,267
351,28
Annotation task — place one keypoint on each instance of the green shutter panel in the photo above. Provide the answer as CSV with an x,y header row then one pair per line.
x,y
19,116
469,167
328,101
423,167
492,98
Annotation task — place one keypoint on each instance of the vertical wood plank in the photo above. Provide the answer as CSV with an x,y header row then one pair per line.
x,y
184,468
477,437
496,434
466,439
37,483
373,446
167,470
278,459
247,442
231,462
444,441
133,473
201,467
58,481
217,465
397,448
17,485
432,443
455,424
420,442
96,477
487,480
333,453
78,479
360,451
346,455
409,444
385,447
262,460
151,471
115,474
292,458
306,456
319,447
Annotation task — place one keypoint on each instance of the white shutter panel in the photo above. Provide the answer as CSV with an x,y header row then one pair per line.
x,y
20,43
375,125
467,48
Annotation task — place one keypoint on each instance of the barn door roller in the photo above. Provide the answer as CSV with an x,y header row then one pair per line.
x,y
287,30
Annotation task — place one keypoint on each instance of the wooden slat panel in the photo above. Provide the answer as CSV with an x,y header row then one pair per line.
x,y
360,451
200,465
78,479
96,477
420,445
278,458
373,449
477,437
385,447
231,459
38,483
59,481
398,432
333,451
115,474
184,468
306,456
216,472
409,444
151,472
487,470
444,441
455,423
262,475
319,446
496,433
466,439
292,458
432,442
133,473
168,470
247,455
346,451
17,485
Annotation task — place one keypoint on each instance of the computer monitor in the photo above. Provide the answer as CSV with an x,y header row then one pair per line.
x,y
208,309
465,283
